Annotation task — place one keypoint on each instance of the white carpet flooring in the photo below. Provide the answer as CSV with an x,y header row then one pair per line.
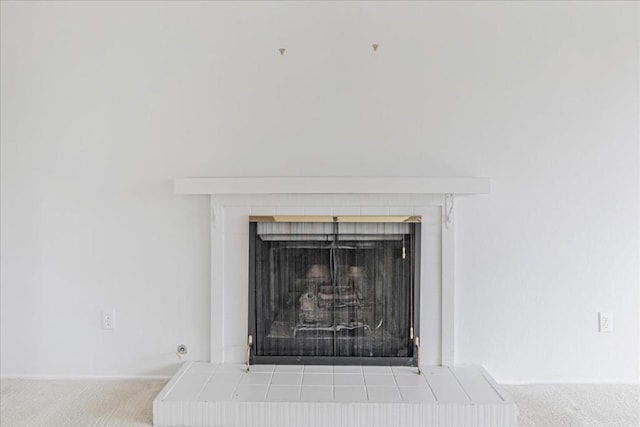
x,y
73,403
577,405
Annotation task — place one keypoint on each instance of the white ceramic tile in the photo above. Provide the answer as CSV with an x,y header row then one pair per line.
x,y
295,200
383,394
400,210
201,368
283,393
379,380
404,370
236,348
236,272
263,368
232,367
250,392
347,369
318,369
263,210
377,370
289,210
285,378
186,389
236,219
290,368
195,376
431,217
217,392
348,379
374,210
346,210
316,394
249,406
317,379
431,250
350,394
256,378
411,381
428,211
227,377
318,210
445,386
416,394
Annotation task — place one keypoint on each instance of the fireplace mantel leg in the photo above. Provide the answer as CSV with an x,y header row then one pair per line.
x,y
448,282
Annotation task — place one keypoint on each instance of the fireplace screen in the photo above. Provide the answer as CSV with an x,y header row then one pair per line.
x,y
336,290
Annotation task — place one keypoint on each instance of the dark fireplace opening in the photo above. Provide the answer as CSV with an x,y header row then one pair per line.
x,y
334,290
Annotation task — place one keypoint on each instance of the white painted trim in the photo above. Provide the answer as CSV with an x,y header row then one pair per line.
x,y
448,287
218,208
611,381
332,185
219,345
82,377
217,281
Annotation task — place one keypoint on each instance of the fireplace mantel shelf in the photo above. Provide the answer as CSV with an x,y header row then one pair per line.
x,y
331,185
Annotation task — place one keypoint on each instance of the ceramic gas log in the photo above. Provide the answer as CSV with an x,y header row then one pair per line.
x,y
335,290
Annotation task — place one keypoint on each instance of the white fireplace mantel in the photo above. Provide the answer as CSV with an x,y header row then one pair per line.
x,y
233,199
332,185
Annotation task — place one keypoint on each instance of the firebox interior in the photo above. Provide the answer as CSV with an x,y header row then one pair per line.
x,y
334,291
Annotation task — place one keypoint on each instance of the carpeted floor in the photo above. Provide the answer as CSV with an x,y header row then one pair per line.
x,y
577,405
115,403
72,403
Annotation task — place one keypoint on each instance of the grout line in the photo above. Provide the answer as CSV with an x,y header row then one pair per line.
x,y
236,388
433,393
458,381
364,381
494,388
273,372
204,385
333,378
397,385
172,384
485,375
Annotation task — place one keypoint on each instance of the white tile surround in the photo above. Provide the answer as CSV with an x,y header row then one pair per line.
x,y
221,393
204,394
230,268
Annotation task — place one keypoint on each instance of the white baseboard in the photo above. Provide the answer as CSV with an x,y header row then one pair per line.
x,y
570,382
83,377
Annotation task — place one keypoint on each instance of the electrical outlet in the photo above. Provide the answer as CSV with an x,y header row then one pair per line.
x,y
605,321
108,319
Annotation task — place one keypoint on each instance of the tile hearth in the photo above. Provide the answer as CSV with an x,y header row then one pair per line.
x,y
282,395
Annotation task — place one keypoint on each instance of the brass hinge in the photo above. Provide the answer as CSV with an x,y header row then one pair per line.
x,y
249,344
417,344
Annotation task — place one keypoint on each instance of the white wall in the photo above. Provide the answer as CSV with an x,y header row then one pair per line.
x,y
103,103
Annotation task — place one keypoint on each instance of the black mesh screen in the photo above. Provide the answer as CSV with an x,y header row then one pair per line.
x,y
333,290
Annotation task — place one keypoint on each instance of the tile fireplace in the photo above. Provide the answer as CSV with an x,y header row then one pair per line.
x,y
340,275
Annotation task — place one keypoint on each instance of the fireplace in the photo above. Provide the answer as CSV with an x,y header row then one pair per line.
x,y
319,269
334,290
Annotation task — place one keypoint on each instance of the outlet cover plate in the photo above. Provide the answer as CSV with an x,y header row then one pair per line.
x,y
605,321
108,319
